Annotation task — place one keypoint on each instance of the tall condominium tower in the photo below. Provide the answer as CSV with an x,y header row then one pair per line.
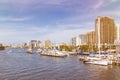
x,y
104,30
117,32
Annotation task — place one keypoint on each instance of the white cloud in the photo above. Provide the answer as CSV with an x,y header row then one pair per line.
x,y
29,2
103,3
10,34
15,18
99,4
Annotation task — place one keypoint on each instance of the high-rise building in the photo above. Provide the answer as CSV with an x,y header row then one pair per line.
x,y
78,41
90,38
34,44
82,38
117,32
117,38
104,30
48,44
73,41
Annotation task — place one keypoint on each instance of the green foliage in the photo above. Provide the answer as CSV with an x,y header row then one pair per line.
x,y
65,47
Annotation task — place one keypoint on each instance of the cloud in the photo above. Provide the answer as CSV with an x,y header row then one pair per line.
x,y
25,3
24,34
15,18
104,3
78,17
99,4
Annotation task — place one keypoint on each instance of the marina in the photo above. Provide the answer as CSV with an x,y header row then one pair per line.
x,y
16,64
59,40
101,60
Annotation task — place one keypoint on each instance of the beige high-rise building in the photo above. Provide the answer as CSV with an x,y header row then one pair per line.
x,y
117,38
105,28
117,32
48,44
90,38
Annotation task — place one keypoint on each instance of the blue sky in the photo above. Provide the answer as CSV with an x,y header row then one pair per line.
x,y
57,20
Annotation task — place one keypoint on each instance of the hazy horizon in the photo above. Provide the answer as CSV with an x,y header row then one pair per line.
x,y
57,20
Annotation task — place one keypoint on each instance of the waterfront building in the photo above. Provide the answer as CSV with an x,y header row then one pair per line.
x,y
107,30
78,41
117,32
117,44
34,43
81,40
117,38
73,41
48,44
90,38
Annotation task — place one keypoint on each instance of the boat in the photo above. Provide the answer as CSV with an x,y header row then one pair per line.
x,y
29,51
53,53
39,50
97,59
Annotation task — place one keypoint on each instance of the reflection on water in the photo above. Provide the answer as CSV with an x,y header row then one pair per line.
x,y
16,64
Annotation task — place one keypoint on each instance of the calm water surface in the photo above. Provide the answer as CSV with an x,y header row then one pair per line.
x,y
16,64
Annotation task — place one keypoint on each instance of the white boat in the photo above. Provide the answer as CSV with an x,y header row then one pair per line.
x,y
29,51
39,50
53,53
97,59
103,62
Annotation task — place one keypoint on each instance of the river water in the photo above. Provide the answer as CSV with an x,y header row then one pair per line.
x,y
16,64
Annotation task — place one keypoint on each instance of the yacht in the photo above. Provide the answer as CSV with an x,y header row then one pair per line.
x,y
53,53
98,59
29,51
39,50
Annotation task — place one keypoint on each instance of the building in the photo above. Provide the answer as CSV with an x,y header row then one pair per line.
x,y
48,44
105,29
117,38
117,32
117,44
34,44
78,41
73,41
81,40
90,38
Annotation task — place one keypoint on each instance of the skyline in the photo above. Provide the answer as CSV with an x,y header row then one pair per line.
x,y
57,20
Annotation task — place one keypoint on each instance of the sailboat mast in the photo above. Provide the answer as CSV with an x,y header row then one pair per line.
x,y
98,24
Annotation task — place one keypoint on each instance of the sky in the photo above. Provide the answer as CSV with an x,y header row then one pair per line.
x,y
56,20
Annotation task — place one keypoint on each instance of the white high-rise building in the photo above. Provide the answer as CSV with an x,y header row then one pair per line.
x,y
73,41
78,41
81,40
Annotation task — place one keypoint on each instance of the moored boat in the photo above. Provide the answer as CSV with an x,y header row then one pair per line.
x,y
53,53
29,51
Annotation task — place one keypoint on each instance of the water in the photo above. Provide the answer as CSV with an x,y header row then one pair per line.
x,y
16,64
